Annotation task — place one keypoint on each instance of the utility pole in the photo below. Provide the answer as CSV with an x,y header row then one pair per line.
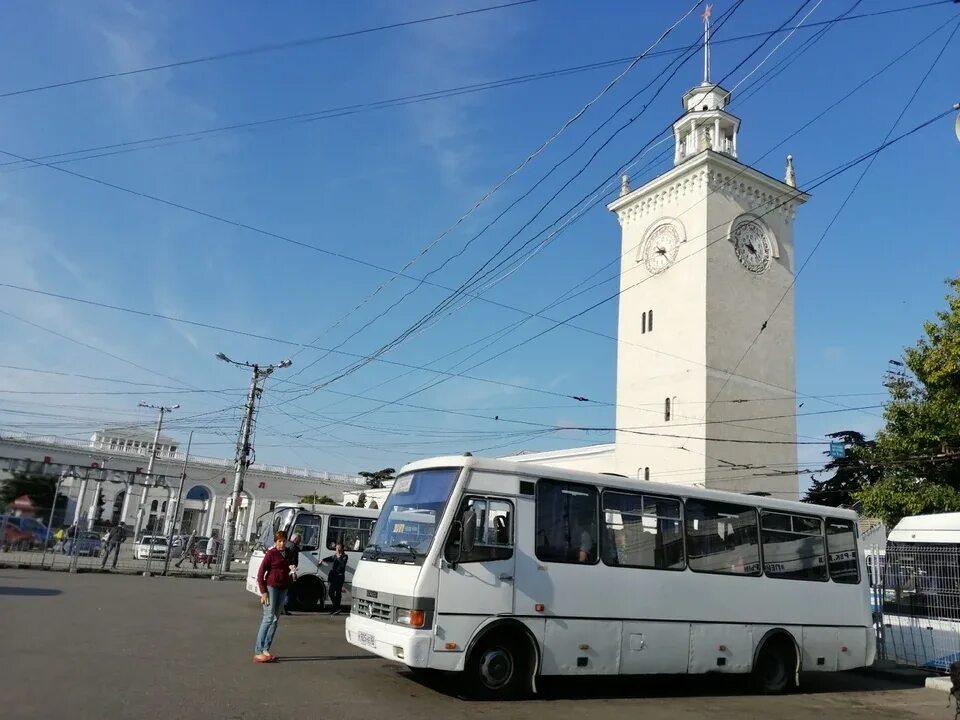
x,y
176,507
153,456
244,450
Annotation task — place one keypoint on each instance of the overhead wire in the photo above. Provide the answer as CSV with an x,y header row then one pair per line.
x,y
260,49
807,124
609,86
842,206
158,141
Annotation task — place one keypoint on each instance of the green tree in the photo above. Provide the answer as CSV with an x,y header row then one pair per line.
x,y
919,446
39,488
318,500
378,478
848,474
362,500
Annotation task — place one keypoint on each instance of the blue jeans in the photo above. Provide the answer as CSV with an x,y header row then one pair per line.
x,y
271,614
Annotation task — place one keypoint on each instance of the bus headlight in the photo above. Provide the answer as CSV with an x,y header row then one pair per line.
x,y
413,618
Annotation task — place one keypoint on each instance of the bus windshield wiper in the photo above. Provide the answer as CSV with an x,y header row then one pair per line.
x,y
405,546
376,550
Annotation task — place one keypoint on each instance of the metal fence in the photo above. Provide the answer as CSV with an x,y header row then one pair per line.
x,y
916,597
26,542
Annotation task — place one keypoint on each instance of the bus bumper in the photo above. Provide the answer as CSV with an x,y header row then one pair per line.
x,y
403,645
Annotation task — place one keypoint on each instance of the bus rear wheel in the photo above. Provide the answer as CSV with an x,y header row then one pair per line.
x,y
497,668
773,672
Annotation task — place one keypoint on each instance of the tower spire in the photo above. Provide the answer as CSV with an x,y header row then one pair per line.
x,y
706,44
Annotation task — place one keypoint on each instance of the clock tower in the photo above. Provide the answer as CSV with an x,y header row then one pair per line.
x,y
706,360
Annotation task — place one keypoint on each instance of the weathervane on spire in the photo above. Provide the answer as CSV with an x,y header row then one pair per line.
x,y
706,44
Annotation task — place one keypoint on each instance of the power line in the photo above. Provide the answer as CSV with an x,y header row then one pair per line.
x,y
842,206
526,161
846,166
447,301
225,220
159,141
214,327
260,49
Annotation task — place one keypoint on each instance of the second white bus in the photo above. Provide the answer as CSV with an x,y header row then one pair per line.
x,y
321,527
505,572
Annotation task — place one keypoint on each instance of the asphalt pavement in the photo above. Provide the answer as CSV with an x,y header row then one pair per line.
x,y
94,646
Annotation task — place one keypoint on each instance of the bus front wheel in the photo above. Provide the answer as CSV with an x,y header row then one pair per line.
x,y
773,671
307,594
497,668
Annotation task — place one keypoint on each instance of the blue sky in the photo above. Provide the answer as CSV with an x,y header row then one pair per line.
x,y
380,186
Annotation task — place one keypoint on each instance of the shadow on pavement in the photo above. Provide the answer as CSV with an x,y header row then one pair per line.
x,y
29,592
325,658
678,686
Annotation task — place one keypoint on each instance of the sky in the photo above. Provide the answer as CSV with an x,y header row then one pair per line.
x,y
288,235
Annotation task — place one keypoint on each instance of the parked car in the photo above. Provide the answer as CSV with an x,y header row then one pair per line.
x,y
36,530
200,550
14,538
142,548
87,543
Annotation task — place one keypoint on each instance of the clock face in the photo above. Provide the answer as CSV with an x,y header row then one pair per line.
x,y
752,247
661,248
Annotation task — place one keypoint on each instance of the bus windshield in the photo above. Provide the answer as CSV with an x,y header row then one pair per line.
x,y
409,516
281,520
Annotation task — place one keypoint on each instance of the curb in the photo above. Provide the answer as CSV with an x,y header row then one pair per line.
x,y
939,682
115,571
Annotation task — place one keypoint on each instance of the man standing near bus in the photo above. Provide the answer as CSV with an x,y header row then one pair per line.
x,y
115,539
292,553
336,576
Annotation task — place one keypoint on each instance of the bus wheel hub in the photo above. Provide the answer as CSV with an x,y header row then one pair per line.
x,y
496,667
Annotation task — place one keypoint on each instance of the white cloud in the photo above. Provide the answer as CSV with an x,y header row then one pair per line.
x,y
449,54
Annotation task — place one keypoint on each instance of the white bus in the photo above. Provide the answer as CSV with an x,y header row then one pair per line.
x,y
321,527
506,572
920,567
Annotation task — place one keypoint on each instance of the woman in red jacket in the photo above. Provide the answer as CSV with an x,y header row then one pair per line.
x,y
273,579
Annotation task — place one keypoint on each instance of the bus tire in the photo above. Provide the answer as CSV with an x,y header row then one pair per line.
x,y
498,667
307,594
775,665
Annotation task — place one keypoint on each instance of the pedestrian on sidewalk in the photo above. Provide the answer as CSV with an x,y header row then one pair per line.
x,y
115,539
186,551
273,580
336,576
213,545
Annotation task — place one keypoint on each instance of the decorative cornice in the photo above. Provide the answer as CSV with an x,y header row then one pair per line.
x,y
757,200
654,203
759,193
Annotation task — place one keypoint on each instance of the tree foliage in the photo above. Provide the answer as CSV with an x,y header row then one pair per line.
x,y
378,478
848,474
894,498
919,446
39,488
318,500
361,500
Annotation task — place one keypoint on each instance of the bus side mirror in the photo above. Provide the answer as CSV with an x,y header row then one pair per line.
x,y
468,531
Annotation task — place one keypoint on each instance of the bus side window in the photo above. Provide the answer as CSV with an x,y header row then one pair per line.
x,y
843,559
494,534
567,522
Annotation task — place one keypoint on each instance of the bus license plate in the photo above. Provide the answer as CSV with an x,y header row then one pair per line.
x,y
367,639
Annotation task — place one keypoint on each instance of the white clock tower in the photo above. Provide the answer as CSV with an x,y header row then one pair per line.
x,y
706,287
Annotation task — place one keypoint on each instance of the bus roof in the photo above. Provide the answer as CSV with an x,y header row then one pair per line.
x,y
330,509
937,528
621,482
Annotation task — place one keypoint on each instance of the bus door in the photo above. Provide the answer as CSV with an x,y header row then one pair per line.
x,y
309,527
477,577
